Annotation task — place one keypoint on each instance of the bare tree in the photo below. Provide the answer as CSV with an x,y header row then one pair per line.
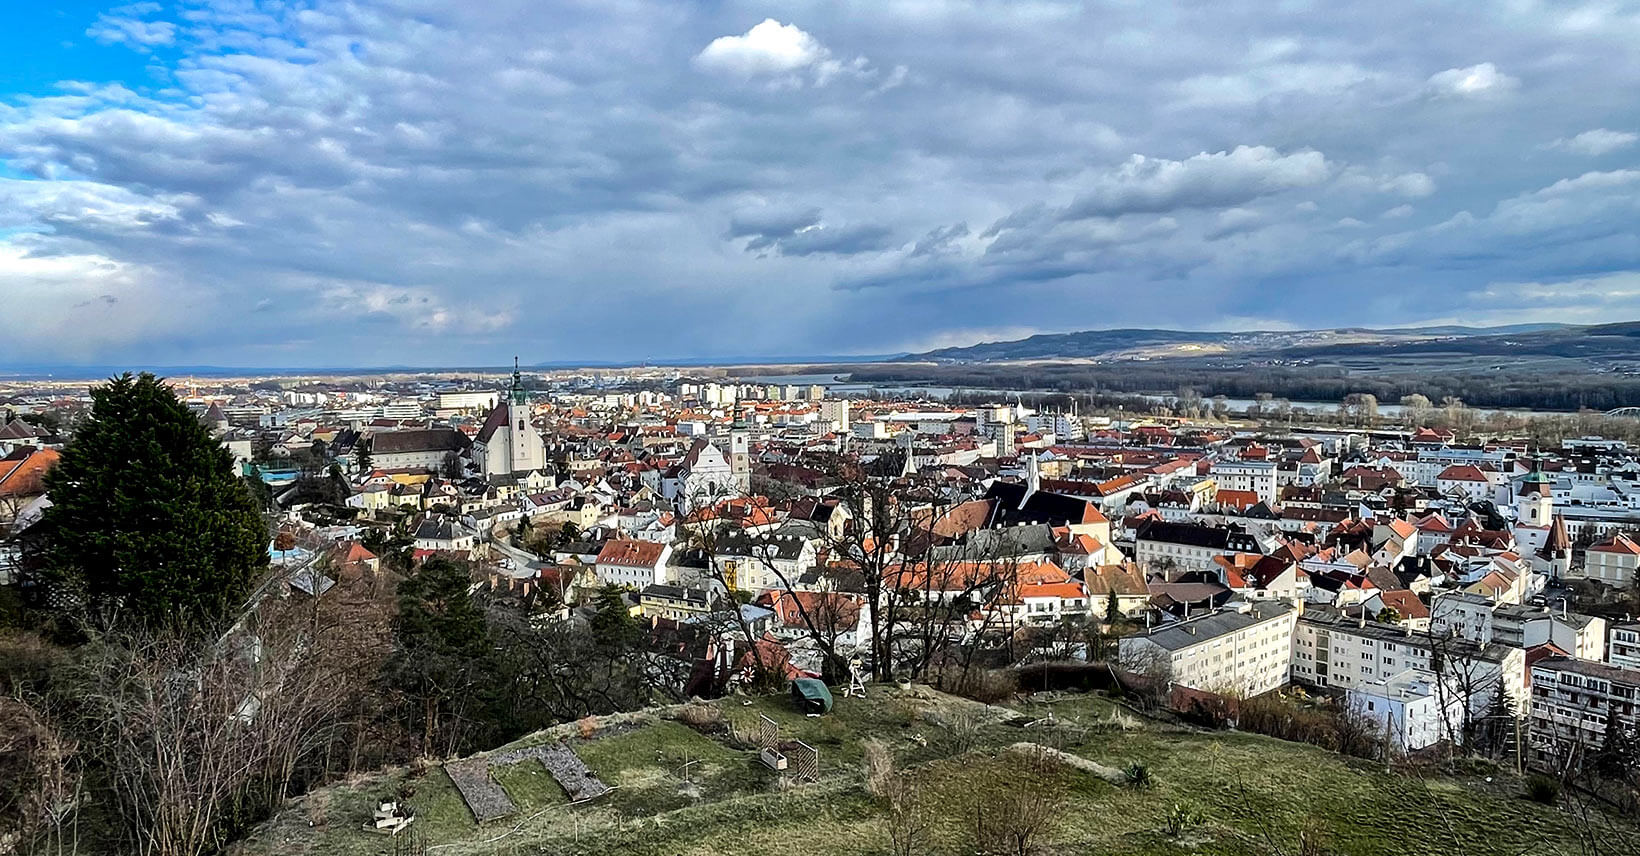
x,y
195,739
1464,684
707,539
39,780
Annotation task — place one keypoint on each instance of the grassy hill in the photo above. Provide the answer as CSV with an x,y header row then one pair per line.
x,y
1253,795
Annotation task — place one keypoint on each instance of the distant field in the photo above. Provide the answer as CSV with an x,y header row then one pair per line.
x,y
1255,795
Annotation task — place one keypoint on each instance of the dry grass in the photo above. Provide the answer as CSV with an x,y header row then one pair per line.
x,y
894,787
702,717
877,767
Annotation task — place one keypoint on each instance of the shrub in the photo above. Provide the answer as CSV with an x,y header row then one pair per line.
x,y
1543,789
1208,711
988,686
702,717
1138,774
743,736
1180,819
963,727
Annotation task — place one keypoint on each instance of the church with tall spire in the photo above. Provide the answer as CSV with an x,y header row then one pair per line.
x,y
508,443
1539,531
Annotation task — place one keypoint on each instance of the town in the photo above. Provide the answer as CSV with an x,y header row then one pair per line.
x,y
1438,591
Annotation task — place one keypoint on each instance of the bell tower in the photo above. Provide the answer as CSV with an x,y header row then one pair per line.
x,y
526,449
1534,504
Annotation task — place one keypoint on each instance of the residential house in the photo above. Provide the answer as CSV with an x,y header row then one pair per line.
x,y
1614,561
1159,544
633,564
438,533
678,603
1259,577
1125,582
754,563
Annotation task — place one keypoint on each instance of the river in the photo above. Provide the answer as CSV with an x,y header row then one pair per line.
x,y
841,385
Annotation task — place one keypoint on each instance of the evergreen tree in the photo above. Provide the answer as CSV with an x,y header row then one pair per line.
x,y
361,456
613,626
568,534
1112,614
149,525
442,656
1619,756
260,490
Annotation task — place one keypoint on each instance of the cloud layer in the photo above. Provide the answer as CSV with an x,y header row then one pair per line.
x,y
398,181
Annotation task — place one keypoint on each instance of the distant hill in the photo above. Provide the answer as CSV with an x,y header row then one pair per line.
x,y
1555,339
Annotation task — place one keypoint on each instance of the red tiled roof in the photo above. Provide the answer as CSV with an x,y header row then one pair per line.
x,y
1617,544
631,554
22,473
1462,472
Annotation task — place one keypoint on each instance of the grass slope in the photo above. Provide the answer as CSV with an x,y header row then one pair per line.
x,y
1256,795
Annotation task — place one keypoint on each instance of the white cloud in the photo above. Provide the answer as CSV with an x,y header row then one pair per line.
x,y
1206,180
121,27
1475,81
1583,300
770,48
1597,142
1397,212
1415,185
81,203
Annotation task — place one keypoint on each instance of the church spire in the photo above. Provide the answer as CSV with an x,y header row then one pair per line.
x,y
517,391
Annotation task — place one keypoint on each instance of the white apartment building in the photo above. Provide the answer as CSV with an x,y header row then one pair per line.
x,y
1478,618
1624,650
1572,701
1408,707
1330,650
1256,476
1244,649
1063,426
835,411
475,401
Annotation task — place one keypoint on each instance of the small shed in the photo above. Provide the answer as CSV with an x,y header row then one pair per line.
x,y
810,695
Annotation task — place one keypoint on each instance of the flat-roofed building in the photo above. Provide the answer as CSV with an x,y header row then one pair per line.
x,y
1574,703
1245,649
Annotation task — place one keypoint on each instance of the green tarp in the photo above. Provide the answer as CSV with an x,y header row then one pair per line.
x,y
811,696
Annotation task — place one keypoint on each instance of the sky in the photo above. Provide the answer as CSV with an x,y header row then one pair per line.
x,y
423,182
